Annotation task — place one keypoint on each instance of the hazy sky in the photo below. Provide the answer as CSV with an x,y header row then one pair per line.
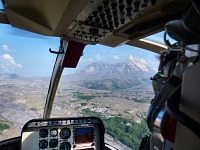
x,y
30,56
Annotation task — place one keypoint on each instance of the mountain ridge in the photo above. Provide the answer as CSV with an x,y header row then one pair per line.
x,y
112,76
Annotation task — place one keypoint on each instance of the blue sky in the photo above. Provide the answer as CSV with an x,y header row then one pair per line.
x,y
31,57
28,56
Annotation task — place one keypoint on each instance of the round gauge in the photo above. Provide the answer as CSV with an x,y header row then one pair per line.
x,y
65,146
43,144
43,133
53,143
65,133
53,132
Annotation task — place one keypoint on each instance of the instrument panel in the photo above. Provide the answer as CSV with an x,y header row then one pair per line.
x,y
63,134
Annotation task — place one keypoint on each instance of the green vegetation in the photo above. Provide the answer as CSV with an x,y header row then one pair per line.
x,y
33,109
125,130
83,104
83,96
108,84
3,126
142,100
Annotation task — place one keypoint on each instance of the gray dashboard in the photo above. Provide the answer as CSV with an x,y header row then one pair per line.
x,y
85,133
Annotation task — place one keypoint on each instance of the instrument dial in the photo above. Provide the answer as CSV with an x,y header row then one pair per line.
x,y
65,133
43,133
65,146
53,143
43,144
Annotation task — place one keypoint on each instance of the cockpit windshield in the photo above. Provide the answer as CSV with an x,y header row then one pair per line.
x,y
111,83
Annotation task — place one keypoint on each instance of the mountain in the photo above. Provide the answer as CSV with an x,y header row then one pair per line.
x,y
9,76
108,76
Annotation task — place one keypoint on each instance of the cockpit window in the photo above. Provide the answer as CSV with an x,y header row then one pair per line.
x,y
113,84
1,6
156,37
25,69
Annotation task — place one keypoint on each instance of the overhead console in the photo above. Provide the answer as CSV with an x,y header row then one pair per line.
x,y
85,133
100,18
108,22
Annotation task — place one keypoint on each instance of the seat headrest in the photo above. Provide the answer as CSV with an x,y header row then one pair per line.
x,y
169,67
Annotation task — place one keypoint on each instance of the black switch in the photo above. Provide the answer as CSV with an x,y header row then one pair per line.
x,y
116,19
105,26
107,11
153,2
97,20
116,24
92,23
99,25
122,20
90,18
106,3
102,15
128,10
111,28
86,36
113,5
94,13
121,7
104,21
94,31
90,38
99,9
110,23
122,13
86,22
83,32
121,1
137,4
109,17
115,13
136,10
129,2
144,5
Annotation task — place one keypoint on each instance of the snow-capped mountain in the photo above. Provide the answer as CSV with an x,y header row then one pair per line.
x,y
134,71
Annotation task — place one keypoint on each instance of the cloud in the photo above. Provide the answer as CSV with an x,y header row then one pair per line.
x,y
8,63
5,47
91,59
86,60
116,57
